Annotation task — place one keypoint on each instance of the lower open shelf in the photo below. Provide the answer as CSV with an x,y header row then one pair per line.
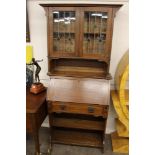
x,y
79,121
77,137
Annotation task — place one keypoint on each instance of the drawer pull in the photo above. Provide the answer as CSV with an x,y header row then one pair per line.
x,y
106,108
62,107
90,109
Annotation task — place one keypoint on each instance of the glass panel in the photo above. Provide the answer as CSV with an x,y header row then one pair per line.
x,y
95,26
64,31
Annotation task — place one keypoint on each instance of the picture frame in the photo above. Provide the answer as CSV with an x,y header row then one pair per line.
x,y
27,27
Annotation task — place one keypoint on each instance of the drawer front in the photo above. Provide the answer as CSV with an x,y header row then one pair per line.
x,y
78,108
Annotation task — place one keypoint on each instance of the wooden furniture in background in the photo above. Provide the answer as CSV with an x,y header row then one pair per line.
x,y
36,111
78,110
79,39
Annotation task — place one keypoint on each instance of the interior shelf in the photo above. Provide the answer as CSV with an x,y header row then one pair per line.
x,y
78,122
77,137
75,74
77,68
74,58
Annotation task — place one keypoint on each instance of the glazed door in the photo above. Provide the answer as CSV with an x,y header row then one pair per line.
x,y
95,32
64,29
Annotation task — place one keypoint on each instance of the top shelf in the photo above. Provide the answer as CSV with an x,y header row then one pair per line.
x,y
80,5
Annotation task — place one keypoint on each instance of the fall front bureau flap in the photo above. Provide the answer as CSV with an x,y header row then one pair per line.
x,y
79,90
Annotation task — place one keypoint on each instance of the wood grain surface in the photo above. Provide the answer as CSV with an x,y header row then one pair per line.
x,y
34,101
79,90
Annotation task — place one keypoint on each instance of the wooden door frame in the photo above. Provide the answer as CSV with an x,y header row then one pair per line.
x,y
62,54
108,33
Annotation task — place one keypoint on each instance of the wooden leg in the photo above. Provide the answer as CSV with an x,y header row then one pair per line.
x,y
50,147
103,149
49,150
36,135
51,132
38,153
103,136
36,141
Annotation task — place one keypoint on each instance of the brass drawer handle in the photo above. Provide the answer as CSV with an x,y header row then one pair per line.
x,y
106,108
62,107
90,109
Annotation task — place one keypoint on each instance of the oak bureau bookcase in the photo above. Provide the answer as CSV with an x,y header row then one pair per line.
x,y
79,49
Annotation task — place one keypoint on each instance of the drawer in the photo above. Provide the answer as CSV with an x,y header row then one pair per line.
x,y
78,108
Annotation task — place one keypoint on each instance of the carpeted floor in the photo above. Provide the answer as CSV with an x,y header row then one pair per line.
x,y
66,149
